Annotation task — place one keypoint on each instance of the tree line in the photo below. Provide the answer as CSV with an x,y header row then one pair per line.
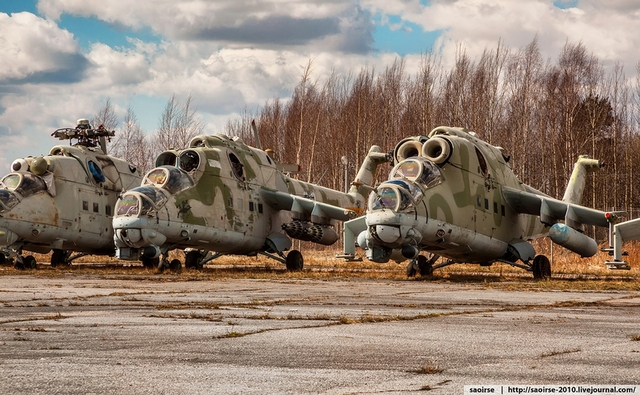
x,y
543,112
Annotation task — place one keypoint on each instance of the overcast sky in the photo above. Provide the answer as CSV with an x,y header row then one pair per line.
x,y
61,59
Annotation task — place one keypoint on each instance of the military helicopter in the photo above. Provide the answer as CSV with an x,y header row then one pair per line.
x,y
63,201
455,196
220,196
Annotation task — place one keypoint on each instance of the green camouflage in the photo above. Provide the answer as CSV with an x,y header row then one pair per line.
x,y
237,201
456,196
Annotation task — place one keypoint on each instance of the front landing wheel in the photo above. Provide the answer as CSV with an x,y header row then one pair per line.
x,y
59,257
294,261
175,266
149,263
541,267
192,260
30,262
425,266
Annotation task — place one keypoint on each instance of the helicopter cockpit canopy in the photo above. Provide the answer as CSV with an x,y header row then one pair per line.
x,y
24,184
169,178
396,195
419,170
144,199
404,188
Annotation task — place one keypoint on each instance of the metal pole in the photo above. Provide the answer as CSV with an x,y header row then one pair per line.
x,y
345,162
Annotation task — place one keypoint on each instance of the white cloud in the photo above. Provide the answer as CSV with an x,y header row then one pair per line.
x,y
32,48
608,29
236,54
268,24
118,68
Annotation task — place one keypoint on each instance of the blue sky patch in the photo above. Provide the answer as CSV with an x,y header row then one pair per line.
x,y
402,37
564,4
13,6
90,30
86,30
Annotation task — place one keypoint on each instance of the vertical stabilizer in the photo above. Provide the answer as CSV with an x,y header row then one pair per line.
x,y
583,166
362,186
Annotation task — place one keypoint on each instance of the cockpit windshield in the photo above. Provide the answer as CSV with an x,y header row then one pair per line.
x,y
128,205
26,184
169,178
7,200
419,170
143,203
390,197
153,194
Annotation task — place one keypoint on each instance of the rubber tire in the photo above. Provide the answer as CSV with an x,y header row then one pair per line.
x,y
30,262
175,266
149,263
541,267
294,261
58,257
425,267
192,260
3,258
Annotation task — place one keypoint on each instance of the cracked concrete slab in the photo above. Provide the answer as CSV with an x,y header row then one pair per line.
x,y
80,334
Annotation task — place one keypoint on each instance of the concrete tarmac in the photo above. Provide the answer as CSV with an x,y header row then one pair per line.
x,y
114,334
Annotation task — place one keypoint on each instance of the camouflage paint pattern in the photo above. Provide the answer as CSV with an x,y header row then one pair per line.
x,y
238,202
465,216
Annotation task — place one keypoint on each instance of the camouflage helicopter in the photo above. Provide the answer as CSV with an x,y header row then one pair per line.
x,y
220,196
63,201
455,196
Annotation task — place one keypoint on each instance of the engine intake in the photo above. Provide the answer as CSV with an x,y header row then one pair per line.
x,y
437,150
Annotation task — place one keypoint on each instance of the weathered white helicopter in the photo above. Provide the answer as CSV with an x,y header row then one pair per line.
x,y
220,195
63,201
455,196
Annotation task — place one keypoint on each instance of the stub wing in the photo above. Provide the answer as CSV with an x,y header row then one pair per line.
x,y
552,210
318,212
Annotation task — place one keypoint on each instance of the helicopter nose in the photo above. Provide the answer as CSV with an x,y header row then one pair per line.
x,y
387,233
129,236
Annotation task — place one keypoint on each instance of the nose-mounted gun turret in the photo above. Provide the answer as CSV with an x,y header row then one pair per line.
x,y
86,135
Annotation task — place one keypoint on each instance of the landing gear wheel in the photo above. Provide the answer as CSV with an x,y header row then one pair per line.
x,y
412,268
175,266
3,258
149,263
30,262
59,257
541,267
425,266
192,260
294,261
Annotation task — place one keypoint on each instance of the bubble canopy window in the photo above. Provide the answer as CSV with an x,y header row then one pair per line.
x,y
391,197
26,184
169,178
419,170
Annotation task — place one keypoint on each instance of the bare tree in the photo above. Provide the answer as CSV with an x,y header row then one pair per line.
x,y
130,143
178,124
106,117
